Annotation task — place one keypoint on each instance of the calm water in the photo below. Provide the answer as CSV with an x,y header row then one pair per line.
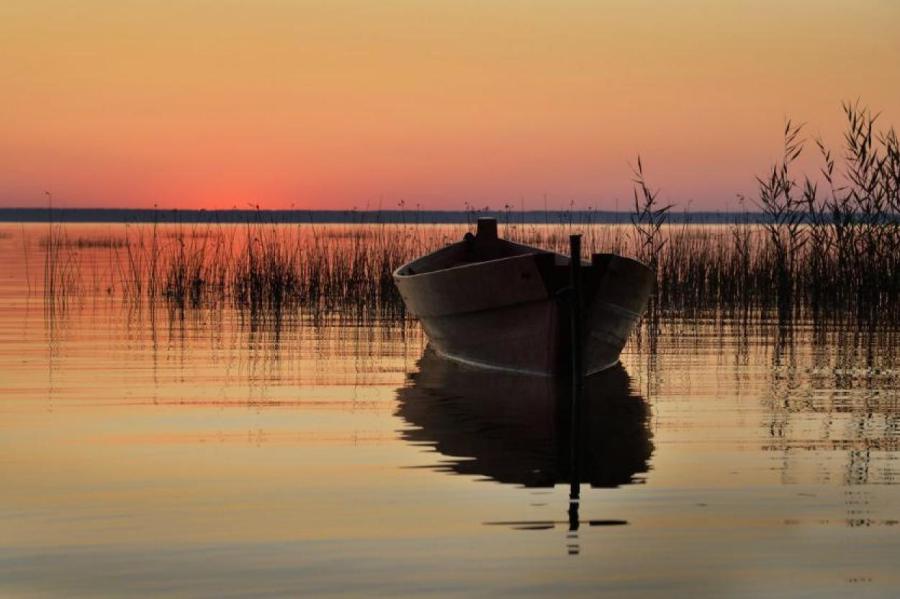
x,y
145,452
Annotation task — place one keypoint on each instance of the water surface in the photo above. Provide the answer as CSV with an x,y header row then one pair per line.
x,y
147,450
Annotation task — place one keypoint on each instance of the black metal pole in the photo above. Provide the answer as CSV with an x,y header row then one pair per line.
x,y
577,369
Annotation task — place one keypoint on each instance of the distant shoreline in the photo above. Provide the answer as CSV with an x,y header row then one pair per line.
x,y
554,217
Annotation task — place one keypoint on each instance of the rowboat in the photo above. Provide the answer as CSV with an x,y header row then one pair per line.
x,y
492,303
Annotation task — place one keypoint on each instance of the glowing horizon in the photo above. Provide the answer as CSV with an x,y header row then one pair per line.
x,y
342,104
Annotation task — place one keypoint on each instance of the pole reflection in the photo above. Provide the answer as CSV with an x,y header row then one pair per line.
x,y
517,430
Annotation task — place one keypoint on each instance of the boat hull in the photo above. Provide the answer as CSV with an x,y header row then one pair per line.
x,y
512,314
518,338
530,338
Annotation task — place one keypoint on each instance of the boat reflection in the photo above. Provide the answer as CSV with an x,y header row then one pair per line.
x,y
515,429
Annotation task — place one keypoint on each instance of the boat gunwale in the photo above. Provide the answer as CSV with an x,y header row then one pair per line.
x,y
533,252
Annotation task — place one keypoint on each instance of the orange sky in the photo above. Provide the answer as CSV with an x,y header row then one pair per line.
x,y
339,103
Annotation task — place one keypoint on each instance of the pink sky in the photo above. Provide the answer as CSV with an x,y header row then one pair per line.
x,y
354,103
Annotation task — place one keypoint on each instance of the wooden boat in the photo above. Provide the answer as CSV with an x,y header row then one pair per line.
x,y
493,303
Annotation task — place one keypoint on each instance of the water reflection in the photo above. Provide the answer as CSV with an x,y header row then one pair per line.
x,y
228,451
515,429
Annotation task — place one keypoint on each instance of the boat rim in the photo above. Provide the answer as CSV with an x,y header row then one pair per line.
x,y
533,251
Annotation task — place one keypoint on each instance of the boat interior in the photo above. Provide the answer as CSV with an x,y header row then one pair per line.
x,y
484,246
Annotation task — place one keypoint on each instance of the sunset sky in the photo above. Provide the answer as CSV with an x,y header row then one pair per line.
x,y
342,103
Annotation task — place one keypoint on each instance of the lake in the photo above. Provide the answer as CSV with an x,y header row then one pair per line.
x,y
147,449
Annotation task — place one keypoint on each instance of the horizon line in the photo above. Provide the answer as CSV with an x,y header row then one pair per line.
x,y
350,216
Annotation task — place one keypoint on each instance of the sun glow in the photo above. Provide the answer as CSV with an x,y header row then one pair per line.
x,y
352,103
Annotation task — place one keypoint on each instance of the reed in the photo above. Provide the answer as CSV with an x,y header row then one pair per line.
x,y
105,241
269,269
648,219
828,249
62,277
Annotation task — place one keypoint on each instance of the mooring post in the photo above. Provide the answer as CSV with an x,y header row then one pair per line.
x,y
577,368
487,228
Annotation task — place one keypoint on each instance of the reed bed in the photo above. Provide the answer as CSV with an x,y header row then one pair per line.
x,y
85,242
270,268
828,249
